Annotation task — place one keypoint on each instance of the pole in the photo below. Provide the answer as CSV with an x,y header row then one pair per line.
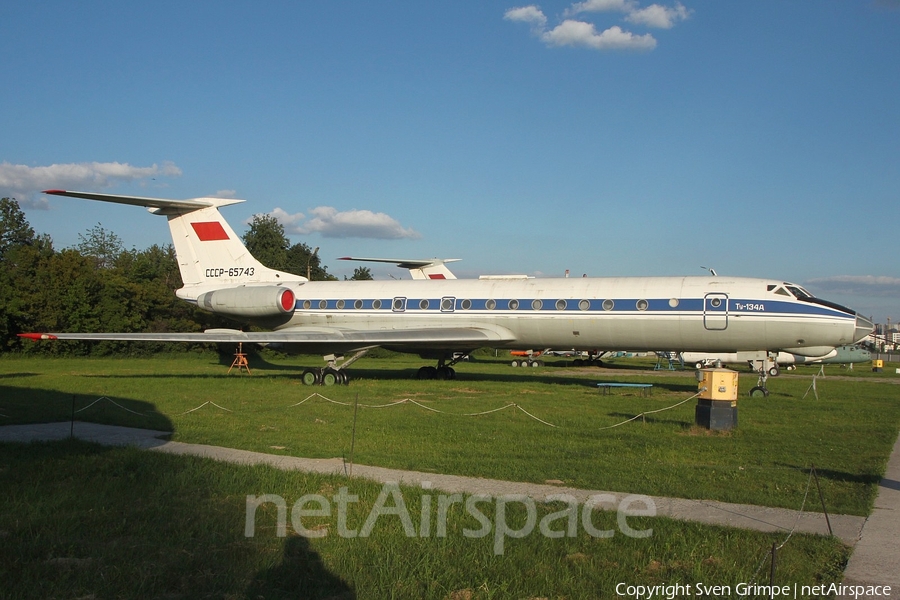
x,y
353,434
772,569
822,500
309,262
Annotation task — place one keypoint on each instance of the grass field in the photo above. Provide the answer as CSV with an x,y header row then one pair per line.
x,y
846,433
83,521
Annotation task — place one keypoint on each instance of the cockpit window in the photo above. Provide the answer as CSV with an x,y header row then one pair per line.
x,y
782,292
805,296
799,292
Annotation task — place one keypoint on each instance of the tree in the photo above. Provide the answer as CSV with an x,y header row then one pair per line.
x,y
302,260
267,242
102,245
14,227
362,274
21,255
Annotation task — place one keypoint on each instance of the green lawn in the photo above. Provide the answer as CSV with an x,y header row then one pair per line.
x,y
847,433
81,521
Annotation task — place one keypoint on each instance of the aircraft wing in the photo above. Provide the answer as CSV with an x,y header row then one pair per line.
x,y
313,339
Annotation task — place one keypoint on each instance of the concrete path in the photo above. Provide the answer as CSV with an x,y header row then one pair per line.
x,y
875,559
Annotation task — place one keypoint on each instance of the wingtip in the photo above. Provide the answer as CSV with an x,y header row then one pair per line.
x,y
37,336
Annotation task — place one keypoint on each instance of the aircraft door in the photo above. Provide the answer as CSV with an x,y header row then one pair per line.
x,y
715,311
448,304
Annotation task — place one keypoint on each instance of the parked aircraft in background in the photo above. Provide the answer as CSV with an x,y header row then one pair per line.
x,y
848,354
527,358
428,268
439,319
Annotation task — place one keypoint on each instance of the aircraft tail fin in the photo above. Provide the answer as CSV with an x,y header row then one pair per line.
x,y
210,254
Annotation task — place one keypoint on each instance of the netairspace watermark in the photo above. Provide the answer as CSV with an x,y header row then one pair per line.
x,y
489,511
752,590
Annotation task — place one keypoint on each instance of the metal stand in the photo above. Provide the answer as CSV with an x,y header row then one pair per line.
x,y
240,360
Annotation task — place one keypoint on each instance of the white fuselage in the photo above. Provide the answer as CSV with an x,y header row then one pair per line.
x,y
624,313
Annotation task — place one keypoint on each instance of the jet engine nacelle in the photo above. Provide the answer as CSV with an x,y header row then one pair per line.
x,y
262,301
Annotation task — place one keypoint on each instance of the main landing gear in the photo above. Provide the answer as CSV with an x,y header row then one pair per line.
x,y
325,376
592,360
527,362
443,370
333,374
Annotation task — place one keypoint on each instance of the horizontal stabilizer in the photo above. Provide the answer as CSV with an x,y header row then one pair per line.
x,y
162,205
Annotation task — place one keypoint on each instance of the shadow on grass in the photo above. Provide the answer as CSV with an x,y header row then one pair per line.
x,y
386,374
17,375
35,405
650,420
842,476
301,574
553,373
84,520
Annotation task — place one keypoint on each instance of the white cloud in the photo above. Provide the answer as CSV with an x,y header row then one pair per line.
x,y
330,222
528,14
584,34
579,33
863,285
25,183
601,6
656,15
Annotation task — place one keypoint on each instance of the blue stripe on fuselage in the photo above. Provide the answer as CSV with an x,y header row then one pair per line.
x,y
735,306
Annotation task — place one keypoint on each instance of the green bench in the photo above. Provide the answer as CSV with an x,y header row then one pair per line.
x,y
645,388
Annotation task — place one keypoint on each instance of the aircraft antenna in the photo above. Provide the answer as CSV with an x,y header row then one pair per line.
x,y
711,270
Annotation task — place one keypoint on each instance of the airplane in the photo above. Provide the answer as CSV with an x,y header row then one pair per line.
x,y
447,319
429,268
847,354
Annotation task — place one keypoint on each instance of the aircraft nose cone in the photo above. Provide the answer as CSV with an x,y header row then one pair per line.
x,y
863,328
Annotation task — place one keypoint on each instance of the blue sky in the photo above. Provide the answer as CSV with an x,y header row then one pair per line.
x,y
607,137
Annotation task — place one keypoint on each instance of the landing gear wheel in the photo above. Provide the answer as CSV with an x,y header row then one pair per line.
x,y
759,392
343,377
698,365
515,363
330,376
445,373
535,363
426,373
774,372
311,376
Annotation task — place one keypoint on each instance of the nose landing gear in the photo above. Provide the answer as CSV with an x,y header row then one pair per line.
x,y
764,371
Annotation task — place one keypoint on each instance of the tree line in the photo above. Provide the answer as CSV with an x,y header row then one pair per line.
x,y
100,286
